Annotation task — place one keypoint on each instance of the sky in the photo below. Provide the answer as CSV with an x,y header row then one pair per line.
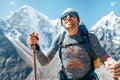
x,y
90,11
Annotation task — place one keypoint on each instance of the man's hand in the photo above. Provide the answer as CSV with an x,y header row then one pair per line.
x,y
113,67
32,39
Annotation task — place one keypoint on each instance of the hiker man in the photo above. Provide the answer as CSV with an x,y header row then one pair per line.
x,y
76,63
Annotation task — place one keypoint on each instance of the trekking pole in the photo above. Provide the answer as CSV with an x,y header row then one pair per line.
x,y
34,59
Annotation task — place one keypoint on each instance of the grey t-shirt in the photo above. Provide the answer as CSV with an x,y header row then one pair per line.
x,y
75,58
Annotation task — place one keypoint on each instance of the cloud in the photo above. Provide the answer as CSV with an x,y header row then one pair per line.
x,y
12,3
113,3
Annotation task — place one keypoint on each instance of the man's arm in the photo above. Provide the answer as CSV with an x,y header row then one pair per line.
x,y
42,58
102,54
105,57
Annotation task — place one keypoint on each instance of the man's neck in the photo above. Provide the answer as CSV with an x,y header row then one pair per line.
x,y
72,31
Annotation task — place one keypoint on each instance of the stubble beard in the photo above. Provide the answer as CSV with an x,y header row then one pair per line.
x,y
70,26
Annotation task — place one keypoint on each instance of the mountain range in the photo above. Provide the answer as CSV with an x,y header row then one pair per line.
x,y
16,59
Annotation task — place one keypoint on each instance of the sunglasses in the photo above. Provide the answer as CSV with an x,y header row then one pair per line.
x,y
71,15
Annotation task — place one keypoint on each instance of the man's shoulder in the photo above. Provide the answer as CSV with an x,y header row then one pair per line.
x,y
92,35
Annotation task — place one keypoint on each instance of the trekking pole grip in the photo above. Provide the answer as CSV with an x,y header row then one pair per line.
x,y
34,59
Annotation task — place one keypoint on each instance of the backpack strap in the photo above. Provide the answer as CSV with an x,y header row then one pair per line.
x,y
85,37
87,45
61,38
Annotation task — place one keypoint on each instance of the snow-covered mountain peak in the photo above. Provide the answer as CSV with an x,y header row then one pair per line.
x,y
26,17
25,11
111,17
26,20
108,22
111,14
108,28
26,7
31,11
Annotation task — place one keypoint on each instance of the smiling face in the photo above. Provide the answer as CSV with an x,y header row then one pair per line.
x,y
69,20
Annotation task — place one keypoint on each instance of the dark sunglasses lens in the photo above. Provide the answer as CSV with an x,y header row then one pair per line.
x,y
70,14
64,16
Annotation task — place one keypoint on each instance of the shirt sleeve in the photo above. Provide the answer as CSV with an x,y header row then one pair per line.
x,y
96,46
54,48
43,57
